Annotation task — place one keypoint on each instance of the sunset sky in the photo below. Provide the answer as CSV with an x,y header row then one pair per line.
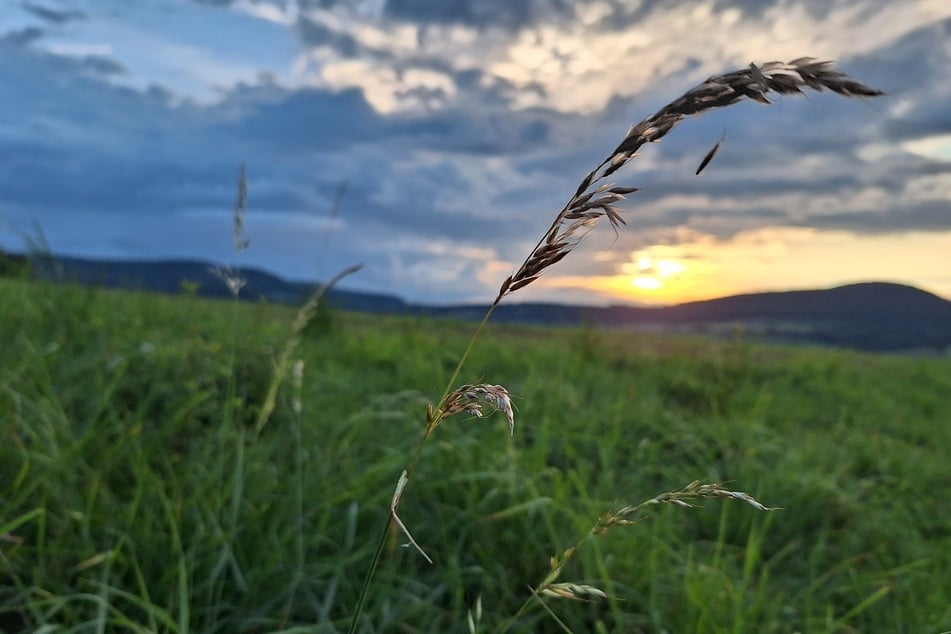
x,y
452,132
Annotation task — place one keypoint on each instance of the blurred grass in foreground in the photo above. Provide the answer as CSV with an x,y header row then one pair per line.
x,y
127,503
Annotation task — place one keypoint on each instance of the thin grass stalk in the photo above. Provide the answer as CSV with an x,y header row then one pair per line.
x,y
297,377
182,613
411,466
683,497
283,364
468,350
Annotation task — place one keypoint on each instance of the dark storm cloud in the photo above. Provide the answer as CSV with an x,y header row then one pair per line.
x,y
910,71
147,161
484,133
309,118
55,16
315,33
934,215
100,65
22,37
88,138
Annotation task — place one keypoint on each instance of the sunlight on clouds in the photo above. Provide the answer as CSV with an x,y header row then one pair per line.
x,y
370,30
937,147
651,273
581,71
591,13
386,89
578,64
874,151
492,273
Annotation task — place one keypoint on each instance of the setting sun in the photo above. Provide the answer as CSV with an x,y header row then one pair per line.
x,y
647,282
650,273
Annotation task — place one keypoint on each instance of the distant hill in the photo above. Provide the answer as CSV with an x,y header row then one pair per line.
x,y
870,316
167,276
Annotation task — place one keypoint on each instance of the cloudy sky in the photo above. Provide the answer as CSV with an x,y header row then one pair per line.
x,y
435,140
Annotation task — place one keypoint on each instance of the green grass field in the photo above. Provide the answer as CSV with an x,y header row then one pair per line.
x,y
136,496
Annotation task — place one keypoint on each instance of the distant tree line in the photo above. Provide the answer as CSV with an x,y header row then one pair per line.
x,y
14,264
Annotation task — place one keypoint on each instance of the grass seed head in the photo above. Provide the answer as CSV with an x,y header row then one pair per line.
x,y
472,400
574,591
239,237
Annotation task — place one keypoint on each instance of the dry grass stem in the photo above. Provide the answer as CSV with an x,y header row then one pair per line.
x,y
594,199
283,364
682,497
297,384
230,275
709,157
394,504
239,237
474,616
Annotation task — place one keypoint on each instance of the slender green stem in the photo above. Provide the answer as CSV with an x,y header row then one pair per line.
x,y
411,467
465,355
364,591
551,613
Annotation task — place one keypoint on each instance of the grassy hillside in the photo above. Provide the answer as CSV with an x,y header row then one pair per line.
x,y
135,494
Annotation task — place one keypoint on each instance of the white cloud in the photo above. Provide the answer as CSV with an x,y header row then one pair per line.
x,y
936,147
285,15
81,49
194,52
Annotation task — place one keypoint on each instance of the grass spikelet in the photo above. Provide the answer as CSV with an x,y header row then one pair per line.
x,y
238,235
550,586
471,399
683,497
574,591
709,156
231,276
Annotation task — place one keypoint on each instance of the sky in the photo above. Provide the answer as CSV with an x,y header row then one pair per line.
x,y
434,141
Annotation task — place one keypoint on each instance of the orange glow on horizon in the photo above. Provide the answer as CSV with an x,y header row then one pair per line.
x,y
652,274
771,259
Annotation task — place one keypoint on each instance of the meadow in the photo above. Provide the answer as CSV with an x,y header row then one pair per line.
x,y
138,496
173,464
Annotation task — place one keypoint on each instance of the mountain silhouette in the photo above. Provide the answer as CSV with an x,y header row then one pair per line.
x,y
870,316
